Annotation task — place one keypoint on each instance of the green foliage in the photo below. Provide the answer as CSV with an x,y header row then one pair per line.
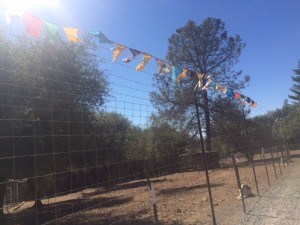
x,y
160,143
296,86
229,126
47,93
204,48
112,130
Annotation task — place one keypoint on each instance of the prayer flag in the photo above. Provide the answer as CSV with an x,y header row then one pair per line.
x,y
160,64
33,24
224,90
183,75
236,95
248,100
253,104
101,37
72,34
207,85
163,68
134,53
230,93
146,59
52,29
244,99
118,50
176,71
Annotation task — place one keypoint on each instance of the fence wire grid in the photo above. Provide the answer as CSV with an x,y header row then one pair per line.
x,y
63,164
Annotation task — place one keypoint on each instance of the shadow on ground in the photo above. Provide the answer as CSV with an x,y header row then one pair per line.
x,y
185,189
68,208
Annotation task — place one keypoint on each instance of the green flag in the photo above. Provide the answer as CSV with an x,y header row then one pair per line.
x,y
101,37
52,29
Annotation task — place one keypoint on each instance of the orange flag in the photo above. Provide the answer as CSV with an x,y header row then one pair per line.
x,y
33,24
118,50
146,59
72,34
182,75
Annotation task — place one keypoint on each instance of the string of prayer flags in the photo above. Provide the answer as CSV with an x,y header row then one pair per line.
x,y
33,24
176,71
134,53
101,37
182,75
228,91
118,50
52,29
146,59
71,33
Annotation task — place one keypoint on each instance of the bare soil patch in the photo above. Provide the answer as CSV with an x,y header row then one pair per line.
x,y
182,199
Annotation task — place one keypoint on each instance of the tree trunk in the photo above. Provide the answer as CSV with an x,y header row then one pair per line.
x,y
207,122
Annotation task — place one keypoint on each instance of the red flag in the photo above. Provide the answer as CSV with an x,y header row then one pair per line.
x,y
237,95
33,24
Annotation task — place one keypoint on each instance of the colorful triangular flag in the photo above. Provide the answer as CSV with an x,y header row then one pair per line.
x,y
101,37
134,53
33,24
230,93
182,75
163,68
248,100
253,104
72,35
52,29
176,71
208,83
236,95
146,59
118,50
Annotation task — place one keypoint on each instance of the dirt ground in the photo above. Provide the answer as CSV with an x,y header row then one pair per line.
x,y
182,199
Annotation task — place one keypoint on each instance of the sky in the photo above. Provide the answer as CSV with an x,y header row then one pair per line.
x,y
269,28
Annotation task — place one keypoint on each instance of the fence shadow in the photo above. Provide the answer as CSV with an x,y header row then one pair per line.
x,y
172,191
133,219
54,211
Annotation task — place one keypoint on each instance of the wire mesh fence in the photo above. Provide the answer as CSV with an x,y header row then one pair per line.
x,y
70,156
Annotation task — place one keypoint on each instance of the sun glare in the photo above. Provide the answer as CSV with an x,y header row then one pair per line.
x,y
21,5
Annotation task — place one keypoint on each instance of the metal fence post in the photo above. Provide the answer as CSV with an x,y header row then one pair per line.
x,y
264,159
278,160
273,162
205,161
236,170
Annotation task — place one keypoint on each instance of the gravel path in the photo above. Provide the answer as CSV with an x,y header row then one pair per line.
x,y
280,205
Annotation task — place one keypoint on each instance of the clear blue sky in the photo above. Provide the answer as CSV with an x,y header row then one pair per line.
x,y
270,29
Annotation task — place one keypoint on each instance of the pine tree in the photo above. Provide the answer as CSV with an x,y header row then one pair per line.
x,y
296,87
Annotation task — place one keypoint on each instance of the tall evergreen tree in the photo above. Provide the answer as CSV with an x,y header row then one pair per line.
x,y
205,48
296,86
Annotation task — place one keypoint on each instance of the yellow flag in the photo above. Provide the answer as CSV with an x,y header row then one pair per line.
x,y
183,75
72,34
146,59
118,50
